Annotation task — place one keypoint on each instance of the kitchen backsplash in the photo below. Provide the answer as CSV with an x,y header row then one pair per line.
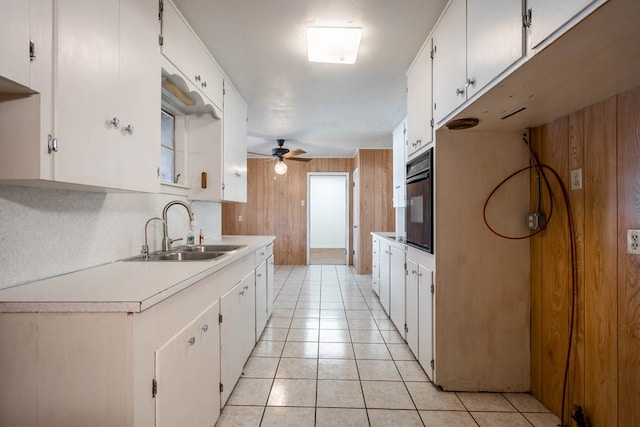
x,y
47,232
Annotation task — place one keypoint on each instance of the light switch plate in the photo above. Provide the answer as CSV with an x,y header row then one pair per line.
x,y
576,179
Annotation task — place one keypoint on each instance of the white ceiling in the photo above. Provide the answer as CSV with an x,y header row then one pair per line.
x,y
328,110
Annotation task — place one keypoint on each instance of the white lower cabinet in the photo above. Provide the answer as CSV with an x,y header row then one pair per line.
x,y
270,274
237,332
412,307
261,299
375,265
397,276
190,357
425,320
384,285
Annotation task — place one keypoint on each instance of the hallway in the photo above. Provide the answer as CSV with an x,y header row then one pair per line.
x,y
330,356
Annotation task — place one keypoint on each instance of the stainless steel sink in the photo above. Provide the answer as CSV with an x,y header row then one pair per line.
x,y
207,248
179,256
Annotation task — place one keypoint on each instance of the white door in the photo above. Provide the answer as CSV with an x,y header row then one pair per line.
x,y
261,299
411,299
14,41
356,215
397,289
549,15
385,263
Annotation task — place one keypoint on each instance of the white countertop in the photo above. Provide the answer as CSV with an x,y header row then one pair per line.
x,y
121,286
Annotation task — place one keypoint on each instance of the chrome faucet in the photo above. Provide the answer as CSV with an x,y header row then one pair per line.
x,y
145,247
166,241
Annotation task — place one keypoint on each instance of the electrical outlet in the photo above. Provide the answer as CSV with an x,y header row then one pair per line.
x,y
633,242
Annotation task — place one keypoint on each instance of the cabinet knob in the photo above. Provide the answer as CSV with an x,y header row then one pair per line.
x,y
129,129
192,340
246,287
259,275
198,77
241,293
470,82
204,84
205,327
459,91
115,122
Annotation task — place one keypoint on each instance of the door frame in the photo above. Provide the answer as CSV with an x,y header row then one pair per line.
x,y
346,205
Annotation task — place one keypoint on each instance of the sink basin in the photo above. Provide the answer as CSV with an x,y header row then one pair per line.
x,y
207,248
179,256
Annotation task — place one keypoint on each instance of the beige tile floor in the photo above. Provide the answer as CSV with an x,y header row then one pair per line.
x,y
330,357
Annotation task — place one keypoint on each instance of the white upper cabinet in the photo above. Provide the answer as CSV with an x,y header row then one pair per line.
x,y
419,101
475,41
107,98
234,165
547,16
494,40
399,170
14,41
450,60
181,46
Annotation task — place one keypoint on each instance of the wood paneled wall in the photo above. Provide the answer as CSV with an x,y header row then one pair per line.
x,y
274,203
604,141
376,213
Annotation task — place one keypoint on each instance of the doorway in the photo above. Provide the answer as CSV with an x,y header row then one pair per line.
x,y
328,218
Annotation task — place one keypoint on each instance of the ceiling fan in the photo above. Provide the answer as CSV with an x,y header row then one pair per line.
x,y
281,153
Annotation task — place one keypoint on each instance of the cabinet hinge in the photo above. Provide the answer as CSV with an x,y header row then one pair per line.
x,y
154,388
433,364
406,329
526,18
160,9
221,387
433,52
219,318
161,40
32,51
432,123
223,185
433,289
434,106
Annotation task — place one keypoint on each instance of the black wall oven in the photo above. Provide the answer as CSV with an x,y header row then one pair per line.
x,y
419,210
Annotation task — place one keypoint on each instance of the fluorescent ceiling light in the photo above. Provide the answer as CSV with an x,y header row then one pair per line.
x,y
333,45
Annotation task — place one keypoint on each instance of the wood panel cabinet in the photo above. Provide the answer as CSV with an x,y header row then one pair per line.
x,y
420,101
237,332
190,357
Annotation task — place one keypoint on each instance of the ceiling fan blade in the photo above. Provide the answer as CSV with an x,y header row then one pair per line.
x,y
298,159
259,154
294,153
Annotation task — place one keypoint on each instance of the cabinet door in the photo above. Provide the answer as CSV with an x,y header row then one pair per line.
x,y
375,266
547,16
237,332
205,152
261,299
86,69
419,101
494,40
270,278
180,45
212,79
187,372
397,289
450,60
425,320
234,146
385,257
139,101
399,169
412,307
14,41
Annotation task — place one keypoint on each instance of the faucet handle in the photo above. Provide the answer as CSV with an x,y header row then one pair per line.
x,y
175,240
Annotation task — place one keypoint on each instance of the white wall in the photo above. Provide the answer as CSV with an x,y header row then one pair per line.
x,y
327,211
47,232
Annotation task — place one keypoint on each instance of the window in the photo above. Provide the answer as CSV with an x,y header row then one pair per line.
x,y
168,148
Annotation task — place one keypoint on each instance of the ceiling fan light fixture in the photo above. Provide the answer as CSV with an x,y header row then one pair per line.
x,y
333,45
281,167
